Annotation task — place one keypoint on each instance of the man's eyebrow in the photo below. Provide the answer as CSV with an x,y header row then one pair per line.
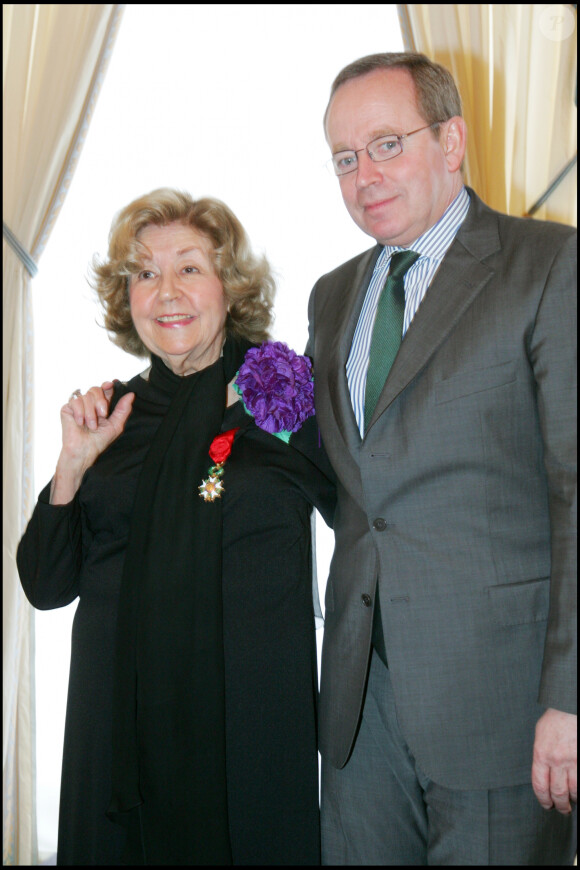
x,y
376,134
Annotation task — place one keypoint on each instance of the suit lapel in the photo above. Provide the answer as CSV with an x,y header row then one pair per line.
x,y
461,277
352,293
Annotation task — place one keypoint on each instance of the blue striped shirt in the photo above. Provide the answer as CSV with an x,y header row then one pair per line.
x,y
431,247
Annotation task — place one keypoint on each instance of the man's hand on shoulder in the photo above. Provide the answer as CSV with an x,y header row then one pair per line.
x,y
554,771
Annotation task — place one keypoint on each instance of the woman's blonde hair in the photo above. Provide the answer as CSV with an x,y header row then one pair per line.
x,y
246,279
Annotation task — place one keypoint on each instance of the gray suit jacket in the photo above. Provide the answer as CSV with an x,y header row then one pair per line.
x,y
469,466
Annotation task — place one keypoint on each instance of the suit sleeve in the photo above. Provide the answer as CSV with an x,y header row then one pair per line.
x,y
321,481
553,352
310,345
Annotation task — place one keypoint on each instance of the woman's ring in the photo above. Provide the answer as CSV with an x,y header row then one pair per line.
x,y
76,394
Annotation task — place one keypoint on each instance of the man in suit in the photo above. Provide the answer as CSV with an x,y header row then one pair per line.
x,y
448,663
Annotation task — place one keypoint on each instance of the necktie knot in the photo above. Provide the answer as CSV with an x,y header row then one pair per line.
x,y
401,262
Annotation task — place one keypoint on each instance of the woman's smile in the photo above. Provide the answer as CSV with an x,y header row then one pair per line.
x,y
173,320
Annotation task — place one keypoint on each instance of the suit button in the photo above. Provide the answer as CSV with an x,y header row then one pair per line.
x,y
366,600
379,525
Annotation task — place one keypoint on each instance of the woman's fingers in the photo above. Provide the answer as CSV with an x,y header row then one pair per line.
x,y
119,416
87,426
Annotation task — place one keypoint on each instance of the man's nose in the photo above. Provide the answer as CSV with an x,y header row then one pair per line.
x,y
367,172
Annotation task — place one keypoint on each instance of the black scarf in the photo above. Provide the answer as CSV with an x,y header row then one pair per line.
x,y
169,778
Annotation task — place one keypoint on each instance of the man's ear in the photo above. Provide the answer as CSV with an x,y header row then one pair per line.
x,y
454,141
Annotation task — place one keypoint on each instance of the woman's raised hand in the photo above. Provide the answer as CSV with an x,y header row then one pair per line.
x,y
87,430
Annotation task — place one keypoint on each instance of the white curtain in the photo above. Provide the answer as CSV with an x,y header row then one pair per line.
x,y
54,58
515,66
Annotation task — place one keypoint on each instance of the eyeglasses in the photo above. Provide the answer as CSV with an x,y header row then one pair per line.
x,y
383,148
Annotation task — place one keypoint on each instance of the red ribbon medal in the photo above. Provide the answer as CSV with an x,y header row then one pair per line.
x,y
220,448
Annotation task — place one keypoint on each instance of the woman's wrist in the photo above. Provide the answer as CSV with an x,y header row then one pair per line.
x,y
66,481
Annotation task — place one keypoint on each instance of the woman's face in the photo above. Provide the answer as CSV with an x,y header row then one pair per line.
x,y
177,301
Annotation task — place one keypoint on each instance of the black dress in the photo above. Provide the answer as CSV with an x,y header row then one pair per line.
x,y
77,550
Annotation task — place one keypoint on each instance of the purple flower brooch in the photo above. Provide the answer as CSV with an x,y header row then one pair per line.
x,y
277,388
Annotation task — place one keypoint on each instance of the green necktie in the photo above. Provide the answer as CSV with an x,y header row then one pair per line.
x,y
386,340
387,329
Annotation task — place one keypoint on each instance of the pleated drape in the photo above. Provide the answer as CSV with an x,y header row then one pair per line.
x,y
54,59
515,66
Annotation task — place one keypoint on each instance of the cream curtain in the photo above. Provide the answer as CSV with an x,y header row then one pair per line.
x,y
54,58
515,66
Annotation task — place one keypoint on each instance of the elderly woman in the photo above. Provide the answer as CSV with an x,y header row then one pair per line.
x,y
179,516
